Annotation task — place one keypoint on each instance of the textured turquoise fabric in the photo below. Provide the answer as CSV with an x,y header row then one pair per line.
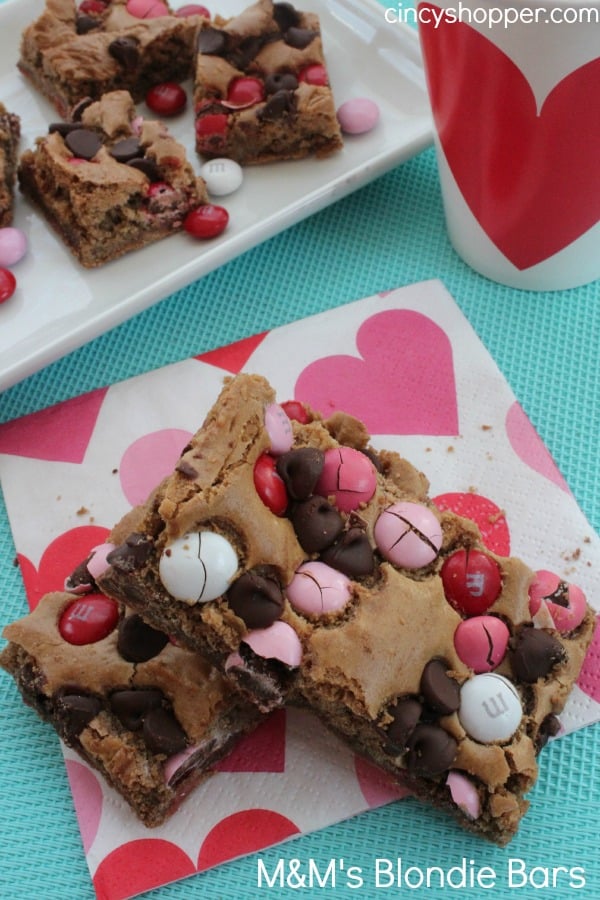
x,y
387,234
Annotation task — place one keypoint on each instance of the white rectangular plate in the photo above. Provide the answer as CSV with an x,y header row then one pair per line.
x,y
59,305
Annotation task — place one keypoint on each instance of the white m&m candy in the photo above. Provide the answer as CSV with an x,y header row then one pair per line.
x,y
490,708
222,176
198,567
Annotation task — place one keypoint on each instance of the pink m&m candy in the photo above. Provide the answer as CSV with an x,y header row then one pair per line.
x,y
278,641
146,9
317,589
269,486
408,535
481,642
279,429
13,246
349,476
472,581
464,793
565,602
88,619
358,115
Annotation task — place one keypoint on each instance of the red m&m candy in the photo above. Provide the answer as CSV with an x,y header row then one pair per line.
x,y
295,410
472,581
8,284
206,221
167,99
269,486
88,619
244,92
314,74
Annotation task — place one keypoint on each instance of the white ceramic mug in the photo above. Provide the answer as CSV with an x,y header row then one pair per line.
x,y
515,94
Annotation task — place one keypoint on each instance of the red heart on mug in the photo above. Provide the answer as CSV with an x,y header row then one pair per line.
x,y
530,177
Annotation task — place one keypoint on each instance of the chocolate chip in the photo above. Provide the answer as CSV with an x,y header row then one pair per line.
x,y
127,149
79,577
300,471
83,143
405,717
132,706
146,166
439,691
125,51
317,524
242,55
84,24
75,711
352,554
63,128
186,469
280,81
137,641
431,750
257,600
131,555
163,733
535,654
78,110
549,728
278,105
299,38
285,15
212,42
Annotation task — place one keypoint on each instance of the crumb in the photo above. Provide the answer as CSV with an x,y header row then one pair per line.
x,y
493,518
489,456
472,489
114,471
450,449
486,427
82,511
427,449
587,540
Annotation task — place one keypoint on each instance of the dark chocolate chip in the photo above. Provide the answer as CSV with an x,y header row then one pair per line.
x,y
137,641
257,600
280,81
535,653
300,471
186,469
431,750
132,555
125,51
374,457
163,733
146,166
78,110
242,55
212,42
132,706
79,577
439,691
351,554
83,143
317,524
549,728
63,128
75,711
285,15
280,104
299,38
128,148
405,714
84,24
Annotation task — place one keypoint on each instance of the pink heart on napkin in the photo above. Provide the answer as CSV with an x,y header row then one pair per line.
x,y
530,177
402,382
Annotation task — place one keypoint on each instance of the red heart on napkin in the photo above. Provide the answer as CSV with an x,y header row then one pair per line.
x,y
530,177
